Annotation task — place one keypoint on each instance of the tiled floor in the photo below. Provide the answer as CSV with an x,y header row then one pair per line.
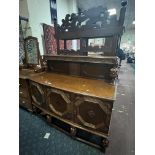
x,y
122,132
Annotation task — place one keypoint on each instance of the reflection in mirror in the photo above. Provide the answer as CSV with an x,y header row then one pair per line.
x,y
95,46
96,42
69,47
102,46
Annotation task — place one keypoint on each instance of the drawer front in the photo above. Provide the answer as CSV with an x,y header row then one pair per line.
x,y
37,93
59,103
93,113
25,103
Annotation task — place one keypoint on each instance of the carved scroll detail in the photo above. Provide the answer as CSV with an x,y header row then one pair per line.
x,y
104,106
92,18
63,95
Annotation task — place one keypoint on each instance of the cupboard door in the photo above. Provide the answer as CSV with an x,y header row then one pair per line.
x,y
23,88
93,113
59,103
37,93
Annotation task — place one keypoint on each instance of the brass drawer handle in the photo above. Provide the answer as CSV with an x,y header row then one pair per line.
x,y
23,101
21,92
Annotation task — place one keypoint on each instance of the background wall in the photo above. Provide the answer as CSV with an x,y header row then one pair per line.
x,y
24,12
39,12
23,8
62,9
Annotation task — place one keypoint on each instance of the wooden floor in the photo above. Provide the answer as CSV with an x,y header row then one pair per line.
x,y
122,132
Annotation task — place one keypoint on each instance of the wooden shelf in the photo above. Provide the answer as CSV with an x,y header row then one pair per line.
x,y
91,59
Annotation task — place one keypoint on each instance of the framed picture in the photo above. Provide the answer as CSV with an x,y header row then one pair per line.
x,y
53,9
32,50
21,45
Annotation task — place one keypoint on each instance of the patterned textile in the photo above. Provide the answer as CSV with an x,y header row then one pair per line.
x,y
32,51
21,45
50,41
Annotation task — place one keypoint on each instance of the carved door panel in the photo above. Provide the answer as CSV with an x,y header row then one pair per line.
x,y
93,113
37,94
59,103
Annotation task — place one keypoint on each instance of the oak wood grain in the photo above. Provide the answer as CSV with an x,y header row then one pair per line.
x,y
90,87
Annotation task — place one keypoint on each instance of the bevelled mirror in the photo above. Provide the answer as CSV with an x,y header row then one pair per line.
x,y
32,53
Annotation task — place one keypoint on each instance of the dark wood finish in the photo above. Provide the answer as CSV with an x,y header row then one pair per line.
x,y
78,109
72,24
24,95
65,44
83,45
89,112
93,113
76,94
71,52
37,94
122,12
85,102
24,90
90,59
90,70
97,33
92,23
59,103
83,66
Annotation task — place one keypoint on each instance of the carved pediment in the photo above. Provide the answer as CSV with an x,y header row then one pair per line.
x,y
97,17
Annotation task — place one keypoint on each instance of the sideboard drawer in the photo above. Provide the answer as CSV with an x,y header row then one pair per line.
x,y
93,113
37,93
59,103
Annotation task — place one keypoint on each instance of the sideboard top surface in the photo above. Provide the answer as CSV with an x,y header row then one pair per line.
x,y
96,88
27,73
